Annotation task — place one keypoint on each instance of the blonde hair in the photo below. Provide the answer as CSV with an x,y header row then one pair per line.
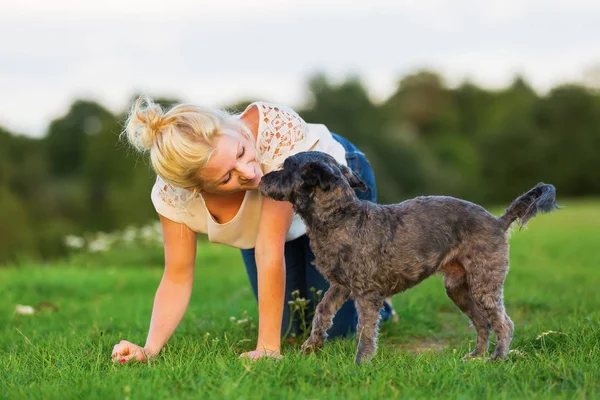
x,y
180,140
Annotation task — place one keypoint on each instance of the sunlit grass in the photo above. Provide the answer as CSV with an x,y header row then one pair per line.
x,y
551,294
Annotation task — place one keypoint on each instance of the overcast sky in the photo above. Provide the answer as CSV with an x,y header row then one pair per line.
x,y
215,52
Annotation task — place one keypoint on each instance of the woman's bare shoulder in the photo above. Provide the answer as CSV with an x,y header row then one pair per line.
x,y
251,117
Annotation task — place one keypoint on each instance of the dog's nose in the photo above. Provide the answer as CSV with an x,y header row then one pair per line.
x,y
262,186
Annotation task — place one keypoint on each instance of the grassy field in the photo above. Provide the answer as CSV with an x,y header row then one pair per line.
x,y
552,294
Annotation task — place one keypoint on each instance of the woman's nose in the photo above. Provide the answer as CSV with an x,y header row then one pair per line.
x,y
246,171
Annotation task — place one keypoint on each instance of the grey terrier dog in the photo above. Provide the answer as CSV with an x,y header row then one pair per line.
x,y
368,251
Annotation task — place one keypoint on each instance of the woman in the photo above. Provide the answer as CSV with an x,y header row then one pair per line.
x,y
209,164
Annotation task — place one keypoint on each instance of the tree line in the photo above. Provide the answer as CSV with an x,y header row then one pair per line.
x,y
483,145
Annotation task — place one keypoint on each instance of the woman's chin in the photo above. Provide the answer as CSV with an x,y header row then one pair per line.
x,y
252,186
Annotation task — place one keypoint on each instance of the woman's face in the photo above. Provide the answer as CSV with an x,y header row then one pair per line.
x,y
232,167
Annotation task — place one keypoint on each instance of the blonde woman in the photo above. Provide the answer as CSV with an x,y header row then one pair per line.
x,y
209,164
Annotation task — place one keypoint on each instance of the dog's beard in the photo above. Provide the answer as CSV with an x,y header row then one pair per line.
x,y
277,192
274,195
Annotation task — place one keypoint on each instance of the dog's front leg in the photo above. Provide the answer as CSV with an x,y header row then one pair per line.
x,y
368,307
333,299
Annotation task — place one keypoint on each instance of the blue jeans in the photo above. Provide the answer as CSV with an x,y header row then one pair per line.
x,y
302,275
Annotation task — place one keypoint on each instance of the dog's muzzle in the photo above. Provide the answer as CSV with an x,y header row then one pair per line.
x,y
269,186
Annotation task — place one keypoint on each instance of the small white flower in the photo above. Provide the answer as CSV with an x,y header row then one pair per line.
x,y
541,335
517,353
24,310
129,234
98,245
74,242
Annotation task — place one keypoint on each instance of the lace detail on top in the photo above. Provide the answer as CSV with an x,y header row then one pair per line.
x,y
174,196
282,130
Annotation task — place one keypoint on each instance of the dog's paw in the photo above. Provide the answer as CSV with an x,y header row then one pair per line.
x,y
497,357
472,356
311,346
363,358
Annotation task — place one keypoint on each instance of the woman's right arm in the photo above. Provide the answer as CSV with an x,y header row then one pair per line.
x,y
173,294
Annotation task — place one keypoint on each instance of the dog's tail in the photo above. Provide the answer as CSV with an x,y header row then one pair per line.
x,y
541,198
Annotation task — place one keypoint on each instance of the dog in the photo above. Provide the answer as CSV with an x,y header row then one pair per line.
x,y
369,251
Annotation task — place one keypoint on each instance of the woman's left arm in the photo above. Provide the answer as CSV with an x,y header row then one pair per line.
x,y
275,220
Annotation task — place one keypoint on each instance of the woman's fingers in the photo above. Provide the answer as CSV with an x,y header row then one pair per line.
x,y
126,358
138,355
123,351
256,354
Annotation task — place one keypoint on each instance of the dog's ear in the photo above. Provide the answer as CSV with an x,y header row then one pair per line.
x,y
353,178
318,174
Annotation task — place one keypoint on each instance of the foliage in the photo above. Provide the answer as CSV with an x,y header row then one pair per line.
x,y
426,138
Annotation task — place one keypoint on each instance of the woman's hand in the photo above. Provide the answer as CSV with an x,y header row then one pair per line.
x,y
261,353
124,351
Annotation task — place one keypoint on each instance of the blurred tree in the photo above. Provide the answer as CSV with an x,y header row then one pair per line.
x,y
424,103
345,108
425,110
482,145
16,236
473,106
118,179
5,162
511,144
570,119
24,161
66,137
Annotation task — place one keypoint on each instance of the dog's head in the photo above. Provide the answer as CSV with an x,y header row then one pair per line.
x,y
305,174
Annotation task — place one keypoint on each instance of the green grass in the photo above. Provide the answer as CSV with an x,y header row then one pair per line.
x,y
553,285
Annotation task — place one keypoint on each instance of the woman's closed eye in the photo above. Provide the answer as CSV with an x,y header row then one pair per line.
x,y
242,152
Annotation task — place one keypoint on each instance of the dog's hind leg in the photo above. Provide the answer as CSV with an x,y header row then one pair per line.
x,y
332,300
459,294
486,287
368,307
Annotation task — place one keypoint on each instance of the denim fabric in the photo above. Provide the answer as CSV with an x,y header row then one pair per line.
x,y
301,274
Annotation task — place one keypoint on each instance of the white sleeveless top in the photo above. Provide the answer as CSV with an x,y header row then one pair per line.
x,y
281,133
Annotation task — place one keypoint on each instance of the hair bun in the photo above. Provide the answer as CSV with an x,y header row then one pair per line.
x,y
144,123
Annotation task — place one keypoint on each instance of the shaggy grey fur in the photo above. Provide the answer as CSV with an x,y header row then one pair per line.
x,y
369,251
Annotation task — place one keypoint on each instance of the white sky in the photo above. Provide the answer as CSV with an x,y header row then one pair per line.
x,y
216,52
